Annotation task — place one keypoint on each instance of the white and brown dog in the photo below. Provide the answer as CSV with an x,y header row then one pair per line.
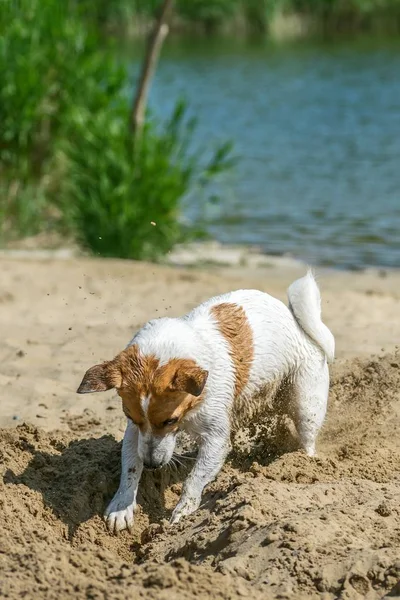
x,y
188,374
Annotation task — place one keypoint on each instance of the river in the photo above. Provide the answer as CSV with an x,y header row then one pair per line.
x,y
316,128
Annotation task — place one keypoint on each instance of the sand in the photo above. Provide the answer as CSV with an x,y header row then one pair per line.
x,y
275,523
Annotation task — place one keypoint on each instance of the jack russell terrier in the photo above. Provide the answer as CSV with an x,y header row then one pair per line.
x,y
194,373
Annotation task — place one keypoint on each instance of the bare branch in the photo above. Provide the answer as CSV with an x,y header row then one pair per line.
x,y
155,42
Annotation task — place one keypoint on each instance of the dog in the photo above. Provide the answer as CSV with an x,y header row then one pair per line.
x,y
191,373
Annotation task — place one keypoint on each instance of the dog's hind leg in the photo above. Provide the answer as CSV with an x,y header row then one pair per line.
x,y
309,400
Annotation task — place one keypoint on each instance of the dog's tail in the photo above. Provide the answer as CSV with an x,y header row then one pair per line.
x,y
305,305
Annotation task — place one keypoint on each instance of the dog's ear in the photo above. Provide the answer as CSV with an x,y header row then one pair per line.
x,y
101,378
189,379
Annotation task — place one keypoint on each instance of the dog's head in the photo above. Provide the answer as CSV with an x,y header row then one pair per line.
x,y
156,398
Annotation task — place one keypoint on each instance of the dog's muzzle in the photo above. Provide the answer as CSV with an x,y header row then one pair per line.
x,y
152,465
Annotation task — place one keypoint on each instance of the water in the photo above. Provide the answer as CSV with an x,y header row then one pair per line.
x,y
317,130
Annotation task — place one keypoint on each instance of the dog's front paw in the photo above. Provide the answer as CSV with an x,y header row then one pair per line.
x,y
185,507
120,512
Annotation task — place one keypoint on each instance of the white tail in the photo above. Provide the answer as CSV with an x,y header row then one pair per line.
x,y
305,304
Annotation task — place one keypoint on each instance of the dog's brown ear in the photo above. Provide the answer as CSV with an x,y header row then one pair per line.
x,y
189,379
100,378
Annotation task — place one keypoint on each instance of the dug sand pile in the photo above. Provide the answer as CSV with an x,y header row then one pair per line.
x,y
272,525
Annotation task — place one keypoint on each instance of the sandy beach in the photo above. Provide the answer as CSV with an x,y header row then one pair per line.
x,y
274,524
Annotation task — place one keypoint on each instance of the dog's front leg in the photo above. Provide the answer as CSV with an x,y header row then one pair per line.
x,y
213,448
120,512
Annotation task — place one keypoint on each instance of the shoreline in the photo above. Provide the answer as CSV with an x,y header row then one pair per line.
x,y
212,255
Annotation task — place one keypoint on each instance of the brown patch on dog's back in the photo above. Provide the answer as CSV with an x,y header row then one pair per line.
x,y
235,327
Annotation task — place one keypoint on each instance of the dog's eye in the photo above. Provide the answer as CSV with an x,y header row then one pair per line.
x,y
170,422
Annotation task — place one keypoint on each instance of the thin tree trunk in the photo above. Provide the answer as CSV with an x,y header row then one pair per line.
x,y
155,42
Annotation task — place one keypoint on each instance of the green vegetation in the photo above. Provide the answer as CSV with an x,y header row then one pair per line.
x,y
251,16
67,158
210,16
131,208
